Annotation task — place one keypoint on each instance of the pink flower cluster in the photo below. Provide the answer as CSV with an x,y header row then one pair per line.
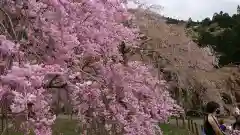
x,y
88,27
128,98
25,84
66,36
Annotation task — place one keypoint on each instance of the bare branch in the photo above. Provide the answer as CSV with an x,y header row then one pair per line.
x,y
10,21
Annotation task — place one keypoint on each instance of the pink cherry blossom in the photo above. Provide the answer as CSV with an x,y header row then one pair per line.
x,y
76,43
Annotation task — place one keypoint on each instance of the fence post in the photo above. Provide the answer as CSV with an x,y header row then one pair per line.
x,y
192,126
189,125
183,120
202,128
6,116
2,122
177,121
7,124
196,128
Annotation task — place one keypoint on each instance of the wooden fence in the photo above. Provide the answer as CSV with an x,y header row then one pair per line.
x,y
188,124
5,123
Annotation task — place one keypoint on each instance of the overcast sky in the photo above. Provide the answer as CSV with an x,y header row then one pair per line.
x,y
196,9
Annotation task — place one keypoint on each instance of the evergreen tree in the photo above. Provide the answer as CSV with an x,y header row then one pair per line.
x,y
222,33
238,9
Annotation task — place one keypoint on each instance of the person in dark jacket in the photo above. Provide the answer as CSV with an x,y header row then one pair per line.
x,y
211,125
236,125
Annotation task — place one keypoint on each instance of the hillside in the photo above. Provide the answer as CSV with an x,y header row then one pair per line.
x,y
221,32
188,68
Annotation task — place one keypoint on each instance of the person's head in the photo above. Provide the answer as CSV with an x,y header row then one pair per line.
x,y
213,107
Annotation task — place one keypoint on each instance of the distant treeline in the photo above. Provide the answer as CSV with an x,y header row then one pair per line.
x,y
221,33
170,20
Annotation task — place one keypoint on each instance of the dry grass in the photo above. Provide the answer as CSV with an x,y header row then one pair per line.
x,y
61,127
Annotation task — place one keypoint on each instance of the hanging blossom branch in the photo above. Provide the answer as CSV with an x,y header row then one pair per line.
x,y
64,34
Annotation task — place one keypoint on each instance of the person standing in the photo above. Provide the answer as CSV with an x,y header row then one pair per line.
x,y
211,125
236,125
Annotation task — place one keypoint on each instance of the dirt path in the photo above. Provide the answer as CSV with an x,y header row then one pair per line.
x,y
228,121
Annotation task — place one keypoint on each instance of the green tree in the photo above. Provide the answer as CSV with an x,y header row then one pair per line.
x,y
238,9
222,33
206,22
189,22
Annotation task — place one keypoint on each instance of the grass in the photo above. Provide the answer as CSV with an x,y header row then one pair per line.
x,y
62,127
68,127
172,130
